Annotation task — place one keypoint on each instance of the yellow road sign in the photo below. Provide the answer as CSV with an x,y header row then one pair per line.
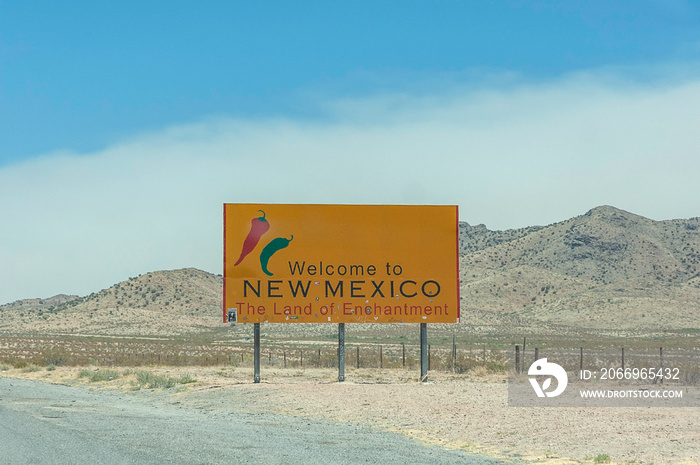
x,y
340,263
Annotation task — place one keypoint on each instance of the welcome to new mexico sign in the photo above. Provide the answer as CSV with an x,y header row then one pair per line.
x,y
340,263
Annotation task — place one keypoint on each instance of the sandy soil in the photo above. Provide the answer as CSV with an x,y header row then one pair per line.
x,y
467,412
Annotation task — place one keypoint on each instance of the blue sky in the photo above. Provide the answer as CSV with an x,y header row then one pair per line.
x,y
82,75
125,125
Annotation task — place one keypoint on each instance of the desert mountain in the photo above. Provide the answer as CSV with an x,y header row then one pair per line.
x,y
32,304
606,270
158,303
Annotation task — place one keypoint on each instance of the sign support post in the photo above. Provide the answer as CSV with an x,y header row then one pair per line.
x,y
341,352
256,352
424,352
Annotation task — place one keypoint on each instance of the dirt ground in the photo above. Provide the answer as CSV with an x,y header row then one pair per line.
x,y
468,412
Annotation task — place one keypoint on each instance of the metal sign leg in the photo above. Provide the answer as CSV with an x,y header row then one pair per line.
x,y
341,352
256,352
424,352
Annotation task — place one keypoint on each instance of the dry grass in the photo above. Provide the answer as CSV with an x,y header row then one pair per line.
x,y
139,353
21,353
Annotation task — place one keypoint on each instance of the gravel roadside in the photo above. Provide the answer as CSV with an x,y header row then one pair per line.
x,y
466,413
46,423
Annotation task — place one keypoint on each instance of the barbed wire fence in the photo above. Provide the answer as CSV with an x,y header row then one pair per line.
x,y
455,358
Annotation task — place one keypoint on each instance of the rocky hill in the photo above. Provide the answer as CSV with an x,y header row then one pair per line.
x,y
607,270
33,304
158,303
475,238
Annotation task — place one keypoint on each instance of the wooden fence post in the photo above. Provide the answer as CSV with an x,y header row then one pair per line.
x,y
623,359
454,353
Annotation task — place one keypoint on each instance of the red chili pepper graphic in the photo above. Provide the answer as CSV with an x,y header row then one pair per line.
x,y
258,227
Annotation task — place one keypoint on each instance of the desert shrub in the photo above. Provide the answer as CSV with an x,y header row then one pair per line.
x,y
186,379
148,380
691,376
20,364
154,381
56,357
464,363
98,375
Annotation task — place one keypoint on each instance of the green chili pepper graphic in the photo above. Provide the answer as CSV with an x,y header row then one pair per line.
x,y
275,244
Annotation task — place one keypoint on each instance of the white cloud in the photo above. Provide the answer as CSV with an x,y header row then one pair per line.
x,y
532,153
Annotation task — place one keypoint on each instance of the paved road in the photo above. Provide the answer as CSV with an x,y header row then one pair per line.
x,y
42,423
